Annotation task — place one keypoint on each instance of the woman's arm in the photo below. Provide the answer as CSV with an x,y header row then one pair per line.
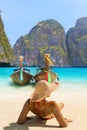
x,y
24,112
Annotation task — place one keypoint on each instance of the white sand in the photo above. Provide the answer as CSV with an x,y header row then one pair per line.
x,y
75,108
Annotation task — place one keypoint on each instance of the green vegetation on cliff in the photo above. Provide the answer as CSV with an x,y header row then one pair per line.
x,y
48,36
6,52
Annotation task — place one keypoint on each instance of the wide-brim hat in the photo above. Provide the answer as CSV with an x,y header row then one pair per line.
x,y
42,90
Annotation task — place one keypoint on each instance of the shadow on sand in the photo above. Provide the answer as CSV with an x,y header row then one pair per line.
x,y
33,122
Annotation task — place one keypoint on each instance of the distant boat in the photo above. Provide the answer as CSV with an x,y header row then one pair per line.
x,y
45,73
21,75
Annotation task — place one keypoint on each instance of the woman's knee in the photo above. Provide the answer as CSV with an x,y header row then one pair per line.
x,y
61,105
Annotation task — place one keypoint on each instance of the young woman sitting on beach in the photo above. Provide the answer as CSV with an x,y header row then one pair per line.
x,y
38,104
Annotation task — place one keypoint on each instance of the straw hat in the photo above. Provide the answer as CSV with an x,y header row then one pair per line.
x,y
42,90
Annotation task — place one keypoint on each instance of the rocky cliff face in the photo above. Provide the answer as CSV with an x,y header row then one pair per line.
x,y
46,37
6,52
76,41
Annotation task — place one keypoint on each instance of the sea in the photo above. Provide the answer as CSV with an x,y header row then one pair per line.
x,y
71,79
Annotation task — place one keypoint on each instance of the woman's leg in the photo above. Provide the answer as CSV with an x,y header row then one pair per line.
x,y
61,105
58,115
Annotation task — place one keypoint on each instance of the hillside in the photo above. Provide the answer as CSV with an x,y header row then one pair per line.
x,y
6,51
76,41
46,37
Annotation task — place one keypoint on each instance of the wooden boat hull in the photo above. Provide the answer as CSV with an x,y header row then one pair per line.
x,y
42,76
26,78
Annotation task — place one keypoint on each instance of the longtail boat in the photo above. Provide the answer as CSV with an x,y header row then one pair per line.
x,y
45,72
21,75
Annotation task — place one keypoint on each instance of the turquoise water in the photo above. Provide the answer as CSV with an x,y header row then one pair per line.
x,y
72,74
69,77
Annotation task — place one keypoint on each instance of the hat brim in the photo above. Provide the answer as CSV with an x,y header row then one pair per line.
x,y
35,97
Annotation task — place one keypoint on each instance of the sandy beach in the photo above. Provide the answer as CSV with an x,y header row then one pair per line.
x,y
75,108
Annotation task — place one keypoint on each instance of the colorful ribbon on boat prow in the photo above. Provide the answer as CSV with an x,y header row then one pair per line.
x,y
48,76
21,74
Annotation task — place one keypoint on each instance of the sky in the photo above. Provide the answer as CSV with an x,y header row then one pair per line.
x,y
20,16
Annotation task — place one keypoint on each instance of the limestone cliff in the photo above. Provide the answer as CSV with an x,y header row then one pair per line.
x,y
6,52
76,41
46,37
